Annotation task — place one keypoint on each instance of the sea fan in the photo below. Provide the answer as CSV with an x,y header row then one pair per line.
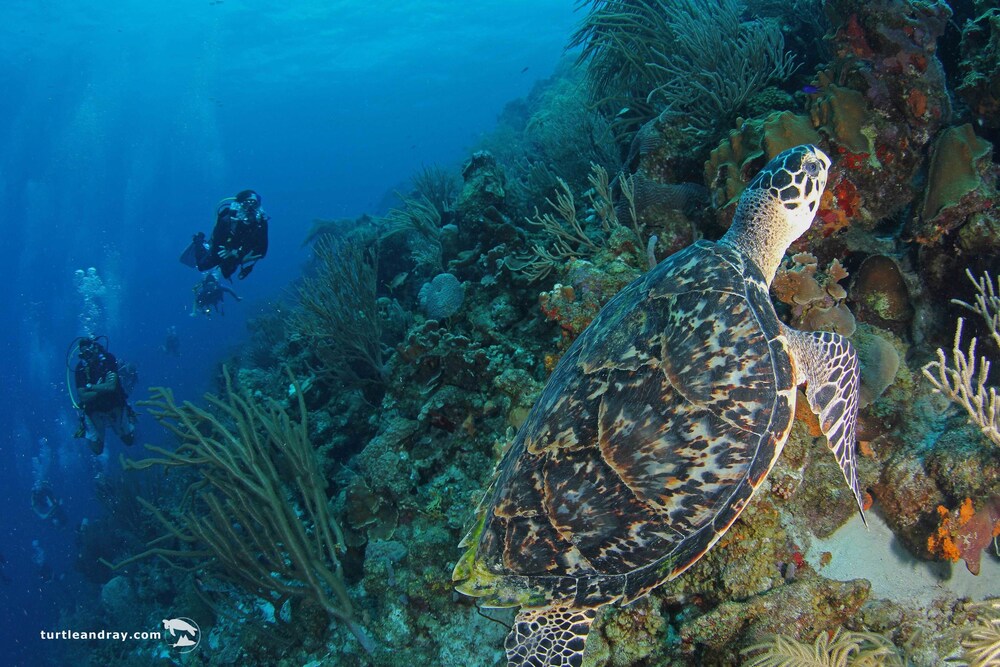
x,y
844,649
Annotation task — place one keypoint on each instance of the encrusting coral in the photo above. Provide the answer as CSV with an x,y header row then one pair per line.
x,y
879,294
747,148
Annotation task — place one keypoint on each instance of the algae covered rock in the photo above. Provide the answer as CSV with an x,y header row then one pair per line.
x,y
627,636
803,608
483,187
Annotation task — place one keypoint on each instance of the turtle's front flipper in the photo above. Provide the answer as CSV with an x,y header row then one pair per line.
x,y
550,636
828,365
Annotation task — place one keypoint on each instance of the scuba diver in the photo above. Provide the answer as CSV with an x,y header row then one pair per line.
x,y
239,239
46,505
100,395
171,342
208,296
44,571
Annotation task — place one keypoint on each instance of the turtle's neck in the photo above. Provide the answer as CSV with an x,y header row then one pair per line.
x,y
759,232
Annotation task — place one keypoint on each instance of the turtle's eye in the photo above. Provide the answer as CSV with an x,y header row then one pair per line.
x,y
812,168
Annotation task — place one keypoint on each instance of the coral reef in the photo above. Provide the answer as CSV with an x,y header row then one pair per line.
x,y
420,341
980,66
270,534
829,604
887,52
338,318
483,185
964,381
700,61
575,305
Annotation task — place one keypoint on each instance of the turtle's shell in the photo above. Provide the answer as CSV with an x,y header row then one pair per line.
x,y
649,439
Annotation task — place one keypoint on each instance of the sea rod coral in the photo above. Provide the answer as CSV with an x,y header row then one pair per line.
x,y
697,60
338,316
269,531
964,381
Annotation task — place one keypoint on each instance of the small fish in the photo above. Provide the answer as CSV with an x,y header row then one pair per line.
x,y
624,111
810,89
398,280
524,70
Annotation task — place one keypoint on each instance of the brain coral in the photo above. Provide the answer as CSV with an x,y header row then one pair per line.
x,y
442,297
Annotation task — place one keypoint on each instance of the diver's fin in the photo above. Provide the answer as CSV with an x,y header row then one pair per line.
x,y
194,252
548,637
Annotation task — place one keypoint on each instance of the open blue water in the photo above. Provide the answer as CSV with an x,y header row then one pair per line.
x,y
123,123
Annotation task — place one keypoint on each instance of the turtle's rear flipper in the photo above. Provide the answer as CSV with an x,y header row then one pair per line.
x,y
550,636
828,365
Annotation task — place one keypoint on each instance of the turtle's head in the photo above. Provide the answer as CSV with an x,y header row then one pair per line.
x,y
778,206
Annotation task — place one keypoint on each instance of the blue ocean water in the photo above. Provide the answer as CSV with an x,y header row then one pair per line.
x,y
121,126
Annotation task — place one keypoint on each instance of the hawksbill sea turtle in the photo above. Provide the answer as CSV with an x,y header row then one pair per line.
x,y
657,426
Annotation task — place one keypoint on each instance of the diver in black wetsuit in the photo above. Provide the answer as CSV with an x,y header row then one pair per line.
x,y
171,342
238,241
102,396
209,295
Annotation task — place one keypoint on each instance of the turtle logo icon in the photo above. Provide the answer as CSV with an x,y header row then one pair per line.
x,y
185,631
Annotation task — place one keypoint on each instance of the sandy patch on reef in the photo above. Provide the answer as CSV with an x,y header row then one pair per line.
x,y
876,555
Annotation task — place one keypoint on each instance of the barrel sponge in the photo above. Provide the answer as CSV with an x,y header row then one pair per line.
x,y
442,297
957,163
